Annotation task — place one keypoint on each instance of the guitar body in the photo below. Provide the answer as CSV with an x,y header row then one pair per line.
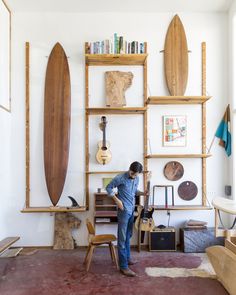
x,y
144,221
103,155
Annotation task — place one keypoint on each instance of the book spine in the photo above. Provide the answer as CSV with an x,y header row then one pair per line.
x,y
115,43
121,44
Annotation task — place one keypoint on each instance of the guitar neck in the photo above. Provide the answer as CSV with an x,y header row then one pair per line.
x,y
104,137
147,197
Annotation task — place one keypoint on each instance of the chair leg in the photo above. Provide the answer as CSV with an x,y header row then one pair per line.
x,y
86,257
114,255
89,257
111,252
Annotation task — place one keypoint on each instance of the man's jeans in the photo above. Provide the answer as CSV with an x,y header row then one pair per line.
x,y
125,230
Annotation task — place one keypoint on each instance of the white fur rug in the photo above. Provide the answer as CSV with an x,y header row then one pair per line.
x,y
204,270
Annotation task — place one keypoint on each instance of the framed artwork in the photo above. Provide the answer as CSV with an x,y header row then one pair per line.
x,y
174,130
106,181
5,57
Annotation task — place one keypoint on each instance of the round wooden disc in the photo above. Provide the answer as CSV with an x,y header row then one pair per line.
x,y
173,170
187,190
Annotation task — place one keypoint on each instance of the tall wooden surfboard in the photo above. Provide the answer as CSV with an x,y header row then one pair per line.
x,y
176,58
57,113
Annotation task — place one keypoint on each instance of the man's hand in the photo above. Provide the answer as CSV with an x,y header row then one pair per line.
x,y
118,203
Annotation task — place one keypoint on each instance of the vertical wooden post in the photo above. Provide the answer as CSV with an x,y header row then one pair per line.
x,y
203,124
87,136
145,139
27,125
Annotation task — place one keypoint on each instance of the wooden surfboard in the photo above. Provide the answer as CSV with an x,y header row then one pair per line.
x,y
57,113
176,58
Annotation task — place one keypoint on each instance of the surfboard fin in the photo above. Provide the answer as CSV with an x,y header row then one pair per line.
x,y
74,202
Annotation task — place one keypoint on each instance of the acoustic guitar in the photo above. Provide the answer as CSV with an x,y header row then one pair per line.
x,y
144,220
103,155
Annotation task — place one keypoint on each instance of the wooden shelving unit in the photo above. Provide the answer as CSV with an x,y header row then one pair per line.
x,y
113,60
104,209
163,156
180,100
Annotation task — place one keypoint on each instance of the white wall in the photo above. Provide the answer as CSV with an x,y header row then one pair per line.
x,y
72,30
232,79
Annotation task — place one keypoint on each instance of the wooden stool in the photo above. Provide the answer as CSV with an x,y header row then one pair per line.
x,y
97,240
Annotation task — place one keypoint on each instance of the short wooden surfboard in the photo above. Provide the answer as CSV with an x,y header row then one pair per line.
x,y
57,113
176,58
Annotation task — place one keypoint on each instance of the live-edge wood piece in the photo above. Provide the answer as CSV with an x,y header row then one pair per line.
x,y
57,117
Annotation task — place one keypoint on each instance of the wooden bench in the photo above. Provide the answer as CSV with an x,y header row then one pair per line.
x,y
7,242
223,259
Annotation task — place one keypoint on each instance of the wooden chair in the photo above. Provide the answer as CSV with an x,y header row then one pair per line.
x,y
97,240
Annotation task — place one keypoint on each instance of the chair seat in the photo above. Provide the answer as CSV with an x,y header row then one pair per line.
x,y
103,239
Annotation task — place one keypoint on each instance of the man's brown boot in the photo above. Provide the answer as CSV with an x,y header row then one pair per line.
x,y
128,272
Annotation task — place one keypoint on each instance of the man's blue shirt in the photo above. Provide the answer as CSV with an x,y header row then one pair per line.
x,y
127,188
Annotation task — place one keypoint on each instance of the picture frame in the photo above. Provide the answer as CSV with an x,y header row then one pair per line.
x,y
174,130
106,181
5,57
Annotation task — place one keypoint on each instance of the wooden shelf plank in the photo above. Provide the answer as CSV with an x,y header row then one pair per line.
x,y
163,156
104,206
105,214
52,209
115,59
105,172
114,111
180,207
157,100
109,222
110,172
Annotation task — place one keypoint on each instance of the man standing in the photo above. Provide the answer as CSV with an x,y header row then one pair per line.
x,y
127,189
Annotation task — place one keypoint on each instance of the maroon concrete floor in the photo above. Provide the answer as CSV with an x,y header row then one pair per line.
x,y
49,272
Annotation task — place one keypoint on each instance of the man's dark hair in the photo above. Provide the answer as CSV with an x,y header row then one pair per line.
x,y
136,167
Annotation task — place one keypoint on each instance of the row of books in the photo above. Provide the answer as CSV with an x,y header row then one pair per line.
x,y
115,45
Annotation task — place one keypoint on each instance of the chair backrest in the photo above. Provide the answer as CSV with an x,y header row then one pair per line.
x,y
90,227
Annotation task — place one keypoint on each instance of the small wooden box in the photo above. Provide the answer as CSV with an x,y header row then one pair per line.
x,y
162,239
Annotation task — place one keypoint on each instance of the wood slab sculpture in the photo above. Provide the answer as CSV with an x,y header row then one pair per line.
x,y
176,58
223,259
57,113
64,223
116,84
